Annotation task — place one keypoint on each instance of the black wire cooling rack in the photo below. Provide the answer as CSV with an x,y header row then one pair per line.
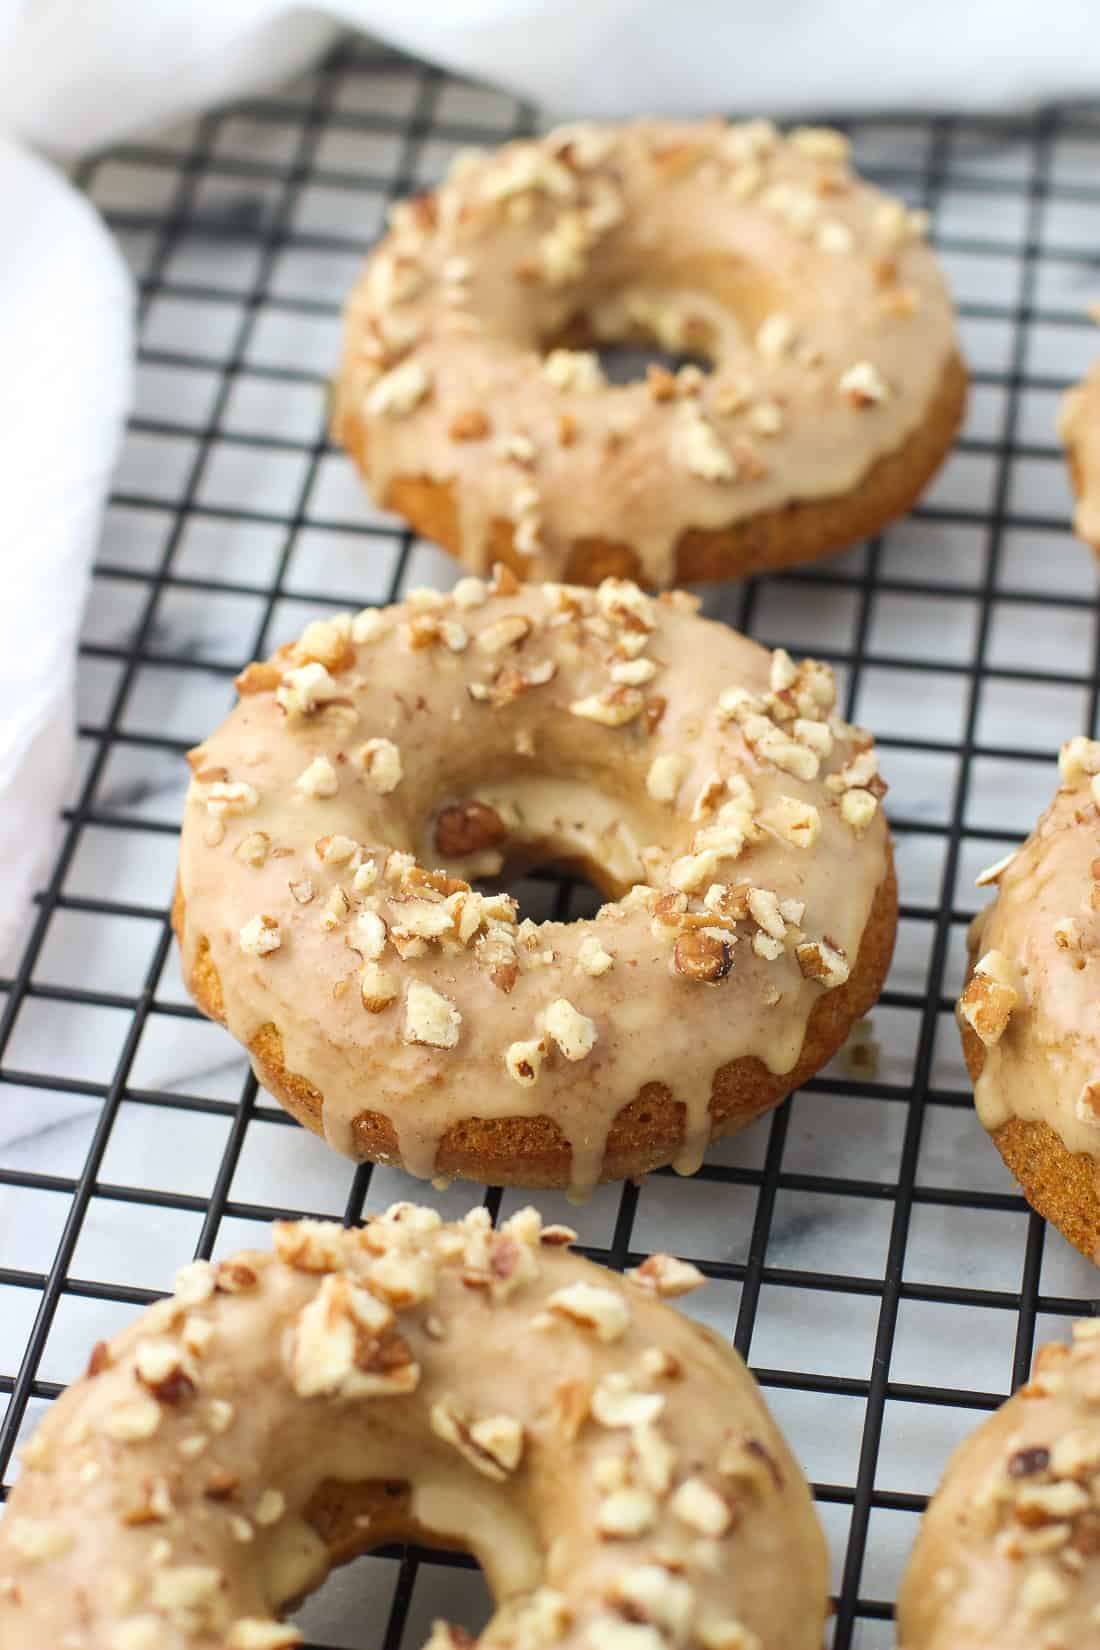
x,y
868,1255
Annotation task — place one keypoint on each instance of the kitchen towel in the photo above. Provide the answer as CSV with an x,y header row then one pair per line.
x,y
65,345
75,75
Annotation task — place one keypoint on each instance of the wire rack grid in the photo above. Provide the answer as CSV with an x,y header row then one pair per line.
x,y
866,1251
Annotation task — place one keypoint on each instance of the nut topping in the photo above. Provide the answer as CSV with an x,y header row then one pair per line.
x,y
163,1369
574,1033
509,632
380,761
344,1345
667,1276
319,779
617,1402
472,424
493,1445
524,1061
304,690
863,385
666,775
465,828
600,1310
614,707
626,1513
696,1504
430,1017
818,960
194,1283
990,997
703,956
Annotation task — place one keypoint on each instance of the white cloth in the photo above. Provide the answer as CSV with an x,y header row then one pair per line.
x,y
74,74
65,303
77,74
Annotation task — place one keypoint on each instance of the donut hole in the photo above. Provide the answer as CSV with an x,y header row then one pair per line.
x,y
562,845
640,334
645,306
631,361
356,1518
547,889
666,332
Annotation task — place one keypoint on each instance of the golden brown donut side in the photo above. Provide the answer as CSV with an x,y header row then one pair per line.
x,y
648,1131
1027,1013
1079,430
1008,1553
1059,1184
793,533
621,1482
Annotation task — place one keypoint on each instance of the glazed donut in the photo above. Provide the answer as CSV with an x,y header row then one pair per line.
x,y
1079,430
609,1462
371,771
1028,1014
1007,1555
836,388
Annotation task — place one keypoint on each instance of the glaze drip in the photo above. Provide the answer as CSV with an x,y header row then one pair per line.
x,y
707,785
815,297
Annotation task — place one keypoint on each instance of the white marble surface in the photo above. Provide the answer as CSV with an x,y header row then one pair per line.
x,y
202,635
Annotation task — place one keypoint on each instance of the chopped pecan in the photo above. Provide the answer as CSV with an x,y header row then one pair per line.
x,y
496,954
220,1485
235,1277
701,956
729,900
660,382
507,686
655,707
465,828
164,1370
99,1361
989,999
257,678
504,581
1026,1462
470,425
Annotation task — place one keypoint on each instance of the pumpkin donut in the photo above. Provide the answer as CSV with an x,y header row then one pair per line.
x,y
1079,430
609,1462
469,400
1008,1555
1028,1013
373,770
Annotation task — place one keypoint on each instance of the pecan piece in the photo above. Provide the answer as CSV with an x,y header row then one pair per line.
x,y
465,828
1025,1462
470,425
504,581
220,1485
655,707
257,678
701,956
99,1361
